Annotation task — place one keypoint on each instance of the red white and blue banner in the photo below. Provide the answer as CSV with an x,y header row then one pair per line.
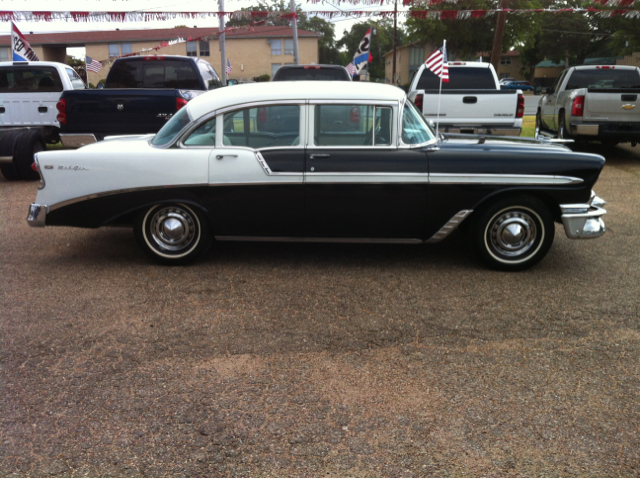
x,y
363,54
20,47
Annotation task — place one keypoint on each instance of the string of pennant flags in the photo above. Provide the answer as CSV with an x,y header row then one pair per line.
x,y
124,17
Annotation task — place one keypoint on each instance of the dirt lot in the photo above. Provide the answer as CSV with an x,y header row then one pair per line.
x,y
320,360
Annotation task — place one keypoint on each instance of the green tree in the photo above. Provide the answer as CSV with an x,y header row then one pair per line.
x,y
381,43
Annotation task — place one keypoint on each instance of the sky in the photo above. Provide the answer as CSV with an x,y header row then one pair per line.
x,y
341,24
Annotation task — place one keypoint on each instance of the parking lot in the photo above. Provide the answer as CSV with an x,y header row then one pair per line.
x,y
320,359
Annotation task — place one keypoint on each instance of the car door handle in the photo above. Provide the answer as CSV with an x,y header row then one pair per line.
x,y
320,155
219,157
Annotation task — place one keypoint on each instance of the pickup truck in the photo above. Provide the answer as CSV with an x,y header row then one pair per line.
x,y
29,92
141,93
593,102
471,102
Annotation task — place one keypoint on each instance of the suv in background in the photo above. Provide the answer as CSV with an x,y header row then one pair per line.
x,y
312,72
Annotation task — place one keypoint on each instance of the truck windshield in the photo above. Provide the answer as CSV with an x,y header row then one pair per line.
x,y
174,126
460,78
140,73
606,78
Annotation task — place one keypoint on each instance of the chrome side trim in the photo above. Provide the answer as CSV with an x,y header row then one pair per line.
x,y
117,192
320,240
6,159
75,140
37,215
451,225
268,171
498,179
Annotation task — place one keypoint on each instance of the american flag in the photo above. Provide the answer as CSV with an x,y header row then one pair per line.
x,y
437,63
351,68
93,65
229,67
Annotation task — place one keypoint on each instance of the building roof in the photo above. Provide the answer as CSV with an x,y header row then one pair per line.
x,y
158,34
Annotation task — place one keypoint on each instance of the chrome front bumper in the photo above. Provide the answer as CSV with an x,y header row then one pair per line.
x,y
584,221
37,215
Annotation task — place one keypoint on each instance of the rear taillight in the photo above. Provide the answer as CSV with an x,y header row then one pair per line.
x,y
577,107
417,101
354,115
262,115
62,115
520,107
34,166
180,102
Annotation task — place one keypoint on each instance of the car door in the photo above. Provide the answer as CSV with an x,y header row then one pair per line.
x,y
256,173
548,104
359,181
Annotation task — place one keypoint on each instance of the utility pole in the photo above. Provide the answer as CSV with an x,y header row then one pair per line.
x,y
395,41
497,39
223,51
294,25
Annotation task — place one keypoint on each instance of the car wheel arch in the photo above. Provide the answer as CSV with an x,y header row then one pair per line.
x,y
488,201
128,217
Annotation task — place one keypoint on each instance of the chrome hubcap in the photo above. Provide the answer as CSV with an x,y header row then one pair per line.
x,y
513,233
173,228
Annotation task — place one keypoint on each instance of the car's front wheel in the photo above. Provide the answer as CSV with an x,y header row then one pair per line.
x,y
513,234
172,234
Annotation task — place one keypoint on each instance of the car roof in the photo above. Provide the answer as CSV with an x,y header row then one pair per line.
x,y
33,64
291,90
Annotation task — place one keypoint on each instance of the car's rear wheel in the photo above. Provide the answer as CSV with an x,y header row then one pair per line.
x,y
513,234
27,145
563,134
172,234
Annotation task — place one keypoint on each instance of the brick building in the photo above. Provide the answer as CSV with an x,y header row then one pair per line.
x,y
261,50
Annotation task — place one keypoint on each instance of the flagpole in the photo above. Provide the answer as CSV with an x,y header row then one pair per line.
x,y
444,49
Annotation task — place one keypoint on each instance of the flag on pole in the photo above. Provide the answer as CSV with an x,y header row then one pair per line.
x,y
438,63
363,53
20,47
229,67
351,68
92,65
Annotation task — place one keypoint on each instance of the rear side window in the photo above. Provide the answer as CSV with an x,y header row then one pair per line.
x,y
604,78
154,74
263,127
311,73
209,75
459,79
29,79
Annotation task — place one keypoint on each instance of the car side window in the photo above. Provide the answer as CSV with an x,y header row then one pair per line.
x,y
263,127
204,135
352,125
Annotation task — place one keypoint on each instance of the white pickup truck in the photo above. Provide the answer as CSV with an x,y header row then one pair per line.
x,y
593,102
471,102
29,92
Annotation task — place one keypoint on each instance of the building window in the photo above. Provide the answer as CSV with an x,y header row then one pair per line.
x,y
114,50
5,54
192,49
505,60
204,49
126,48
276,47
274,68
288,47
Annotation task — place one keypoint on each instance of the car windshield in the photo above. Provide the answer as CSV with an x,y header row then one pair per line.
x,y
415,129
174,126
311,73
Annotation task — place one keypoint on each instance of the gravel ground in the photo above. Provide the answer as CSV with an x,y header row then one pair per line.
x,y
320,360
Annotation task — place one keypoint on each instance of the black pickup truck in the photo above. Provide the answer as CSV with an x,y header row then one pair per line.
x,y
140,94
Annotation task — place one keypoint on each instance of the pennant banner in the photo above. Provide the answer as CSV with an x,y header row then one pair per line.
x,y
124,17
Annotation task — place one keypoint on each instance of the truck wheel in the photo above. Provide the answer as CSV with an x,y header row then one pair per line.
x,y
172,234
563,134
29,143
513,234
7,148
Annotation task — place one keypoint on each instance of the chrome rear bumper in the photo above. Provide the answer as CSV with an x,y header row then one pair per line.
x,y
584,221
76,140
37,215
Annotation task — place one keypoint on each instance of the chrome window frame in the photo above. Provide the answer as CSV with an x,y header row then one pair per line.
x,y
393,104
302,126
402,144
178,136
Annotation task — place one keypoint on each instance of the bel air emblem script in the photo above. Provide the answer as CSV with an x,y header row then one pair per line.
x,y
628,107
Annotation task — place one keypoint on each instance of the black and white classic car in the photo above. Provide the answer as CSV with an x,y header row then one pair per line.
x,y
284,161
